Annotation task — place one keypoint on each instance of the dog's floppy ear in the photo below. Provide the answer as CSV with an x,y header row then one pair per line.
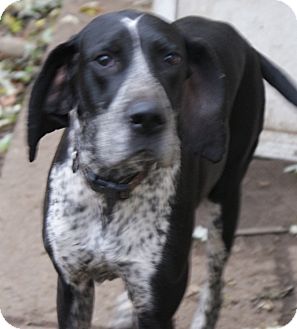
x,y
203,126
51,97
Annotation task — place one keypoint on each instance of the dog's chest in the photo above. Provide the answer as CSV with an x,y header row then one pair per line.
x,y
86,243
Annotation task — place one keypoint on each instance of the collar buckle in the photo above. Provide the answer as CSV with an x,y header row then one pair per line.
x,y
124,195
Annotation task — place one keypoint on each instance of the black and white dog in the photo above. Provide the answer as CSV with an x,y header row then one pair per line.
x,y
158,116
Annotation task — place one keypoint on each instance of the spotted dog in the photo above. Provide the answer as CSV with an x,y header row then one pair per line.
x,y
158,117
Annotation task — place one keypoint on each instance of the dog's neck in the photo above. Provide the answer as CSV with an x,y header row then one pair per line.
x,y
113,184
114,191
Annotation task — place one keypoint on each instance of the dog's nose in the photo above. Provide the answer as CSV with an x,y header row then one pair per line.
x,y
147,117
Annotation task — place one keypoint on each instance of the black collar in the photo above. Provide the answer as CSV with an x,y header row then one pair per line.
x,y
114,191
120,191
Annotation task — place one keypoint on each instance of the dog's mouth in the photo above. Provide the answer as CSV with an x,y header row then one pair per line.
x,y
122,188
121,178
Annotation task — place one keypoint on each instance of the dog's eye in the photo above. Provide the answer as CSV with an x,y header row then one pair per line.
x,y
173,59
105,60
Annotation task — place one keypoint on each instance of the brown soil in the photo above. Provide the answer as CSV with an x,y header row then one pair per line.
x,y
262,271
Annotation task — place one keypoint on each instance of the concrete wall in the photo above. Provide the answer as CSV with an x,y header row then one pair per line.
x,y
271,27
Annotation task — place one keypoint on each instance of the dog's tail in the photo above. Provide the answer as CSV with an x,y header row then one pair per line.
x,y
278,79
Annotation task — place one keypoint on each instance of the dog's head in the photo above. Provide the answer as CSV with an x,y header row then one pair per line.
x,y
136,87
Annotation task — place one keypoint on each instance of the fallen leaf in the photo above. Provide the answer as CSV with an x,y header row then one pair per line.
x,y
4,143
91,8
200,233
7,122
266,305
40,23
7,100
70,19
291,169
231,283
264,183
274,293
14,24
192,290
293,229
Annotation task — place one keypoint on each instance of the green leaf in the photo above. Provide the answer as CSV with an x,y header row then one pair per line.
x,y
4,143
14,24
91,8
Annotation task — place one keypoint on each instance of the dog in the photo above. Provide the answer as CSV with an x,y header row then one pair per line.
x,y
158,117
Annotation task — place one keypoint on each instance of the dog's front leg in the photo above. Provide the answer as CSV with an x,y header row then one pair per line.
x,y
155,299
147,322
75,304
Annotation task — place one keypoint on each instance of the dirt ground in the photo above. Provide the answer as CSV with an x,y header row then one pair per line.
x,y
261,276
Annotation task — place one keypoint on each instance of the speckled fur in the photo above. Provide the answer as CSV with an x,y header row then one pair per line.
x,y
124,317
210,300
129,246
81,309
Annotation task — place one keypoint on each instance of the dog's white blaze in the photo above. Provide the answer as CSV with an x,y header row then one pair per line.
x,y
113,127
132,26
